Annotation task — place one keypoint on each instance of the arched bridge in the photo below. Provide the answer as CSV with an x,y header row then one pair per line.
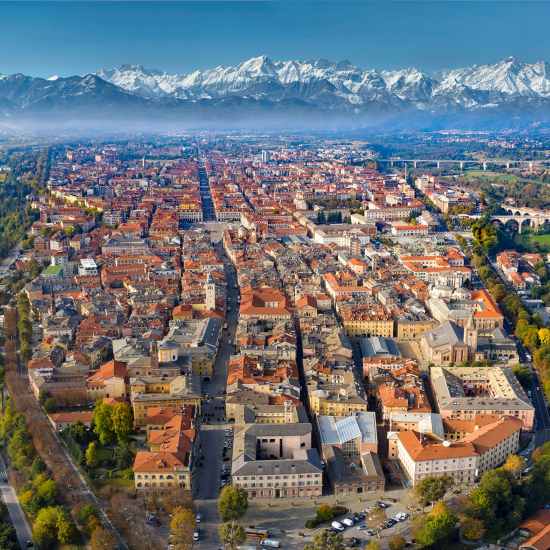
x,y
535,218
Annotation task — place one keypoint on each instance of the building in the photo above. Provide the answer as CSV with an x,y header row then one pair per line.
x,y
169,462
365,321
461,393
275,459
429,424
61,421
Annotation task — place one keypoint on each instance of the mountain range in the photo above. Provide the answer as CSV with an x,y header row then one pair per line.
x,y
260,93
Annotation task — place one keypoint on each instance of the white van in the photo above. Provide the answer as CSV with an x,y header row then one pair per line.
x,y
348,521
338,526
271,543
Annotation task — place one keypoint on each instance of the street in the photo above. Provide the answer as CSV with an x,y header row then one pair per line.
x,y
17,516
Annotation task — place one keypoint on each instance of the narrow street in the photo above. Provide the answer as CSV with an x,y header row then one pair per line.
x,y
206,195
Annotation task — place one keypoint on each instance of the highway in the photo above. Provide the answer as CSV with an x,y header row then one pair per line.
x,y
17,516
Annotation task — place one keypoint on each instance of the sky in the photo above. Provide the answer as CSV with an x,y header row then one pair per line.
x,y
67,38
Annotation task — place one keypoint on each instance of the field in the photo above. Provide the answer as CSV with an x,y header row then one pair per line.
x,y
505,178
528,238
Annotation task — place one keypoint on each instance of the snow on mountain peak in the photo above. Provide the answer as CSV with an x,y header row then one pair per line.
x,y
507,78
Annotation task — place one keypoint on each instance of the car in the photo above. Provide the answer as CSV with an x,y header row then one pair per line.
x,y
29,544
198,518
5,480
196,534
151,518
370,532
361,527
392,500
157,522
161,508
538,388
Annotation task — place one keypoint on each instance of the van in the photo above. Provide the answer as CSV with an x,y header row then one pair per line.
x,y
348,521
338,526
271,543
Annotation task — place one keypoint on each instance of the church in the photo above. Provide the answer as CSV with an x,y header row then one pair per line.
x,y
451,343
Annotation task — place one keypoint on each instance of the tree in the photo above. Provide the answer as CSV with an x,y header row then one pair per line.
x,y
373,545
69,398
183,526
92,524
232,535
513,464
324,513
43,396
4,513
45,528
38,467
178,498
397,542
472,529
103,540
326,541
8,537
233,503
86,513
432,489
523,374
67,531
123,421
103,420
376,519
544,336
77,429
92,455
125,456
48,493
50,406
438,525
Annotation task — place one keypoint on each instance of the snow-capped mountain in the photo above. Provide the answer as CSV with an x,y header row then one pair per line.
x,y
508,78
261,93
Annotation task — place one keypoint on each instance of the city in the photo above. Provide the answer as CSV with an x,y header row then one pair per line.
x,y
300,328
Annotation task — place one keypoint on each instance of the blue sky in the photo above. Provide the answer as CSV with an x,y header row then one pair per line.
x,y
65,38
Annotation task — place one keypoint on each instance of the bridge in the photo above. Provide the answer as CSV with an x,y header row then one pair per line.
x,y
461,163
535,218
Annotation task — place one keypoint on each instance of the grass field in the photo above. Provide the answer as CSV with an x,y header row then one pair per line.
x,y
505,178
114,482
528,238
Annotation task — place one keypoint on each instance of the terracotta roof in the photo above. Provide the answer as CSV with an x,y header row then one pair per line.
x,y
425,449
71,417
537,522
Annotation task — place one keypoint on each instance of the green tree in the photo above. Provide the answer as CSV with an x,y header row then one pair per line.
x,y
43,396
233,503
522,374
67,531
438,525
8,537
50,406
77,429
45,528
324,513
125,456
92,455
103,420
232,535
48,493
397,542
3,511
373,545
513,464
432,489
86,512
38,467
123,421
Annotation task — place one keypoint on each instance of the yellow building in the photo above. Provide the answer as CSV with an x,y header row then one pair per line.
x,y
147,392
367,321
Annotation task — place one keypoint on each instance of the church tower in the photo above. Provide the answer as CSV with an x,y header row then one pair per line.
x,y
154,354
470,334
210,288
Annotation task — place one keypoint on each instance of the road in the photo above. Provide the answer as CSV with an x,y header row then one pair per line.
x,y
206,194
17,516
5,265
